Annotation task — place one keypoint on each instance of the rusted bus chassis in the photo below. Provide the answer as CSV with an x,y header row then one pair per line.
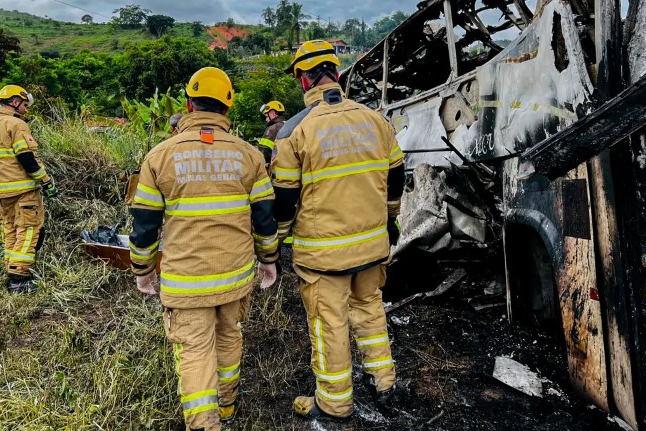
x,y
559,117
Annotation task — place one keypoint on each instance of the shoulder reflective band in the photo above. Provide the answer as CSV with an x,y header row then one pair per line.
x,y
6,152
20,145
207,206
396,154
149,196
15,186
345,170
287,174
261,189
267,143
340,241
200,402
201,284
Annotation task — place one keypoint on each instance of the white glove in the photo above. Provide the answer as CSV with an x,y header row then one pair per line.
x,y
268,273
148,284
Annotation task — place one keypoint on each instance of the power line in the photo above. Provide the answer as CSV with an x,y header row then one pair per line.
x,y
80,8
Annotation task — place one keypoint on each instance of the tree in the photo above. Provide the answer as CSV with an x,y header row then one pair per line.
x,y
352,28
259,42
269,16
283,16
388,23
87,19
313,30
163,63
159,24
332,29
264,80
197,28
362,40
296,18
7,44
130,16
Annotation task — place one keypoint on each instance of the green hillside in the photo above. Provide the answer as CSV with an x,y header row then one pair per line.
x,y
53,38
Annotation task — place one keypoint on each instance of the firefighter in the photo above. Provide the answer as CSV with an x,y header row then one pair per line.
x,y
338,179
22,176
212,193
274,113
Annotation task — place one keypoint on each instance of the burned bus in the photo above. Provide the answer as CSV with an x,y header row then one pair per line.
x,y
546,134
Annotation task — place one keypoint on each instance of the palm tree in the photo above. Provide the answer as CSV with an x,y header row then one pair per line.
x,y
295,24
270,17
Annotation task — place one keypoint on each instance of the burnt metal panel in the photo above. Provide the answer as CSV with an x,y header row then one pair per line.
x,y
576,209
630,188
591,135
536,87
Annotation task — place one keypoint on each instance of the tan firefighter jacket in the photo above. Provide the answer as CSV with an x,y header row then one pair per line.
x,y
217,201
20,167
338,153
267,142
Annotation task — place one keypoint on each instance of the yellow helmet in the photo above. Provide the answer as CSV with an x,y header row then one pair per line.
x,y
9,91
211,82
273,105
311,54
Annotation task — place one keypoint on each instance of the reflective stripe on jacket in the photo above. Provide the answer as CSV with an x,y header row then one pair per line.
x,y
338,153
15,138
208,192
269,137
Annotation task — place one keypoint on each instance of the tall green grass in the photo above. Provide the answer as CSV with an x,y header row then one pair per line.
x,y
88,352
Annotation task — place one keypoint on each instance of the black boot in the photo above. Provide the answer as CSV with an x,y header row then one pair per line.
x,y
382,398
22,284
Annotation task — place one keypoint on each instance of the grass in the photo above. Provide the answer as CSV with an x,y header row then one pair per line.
x,y
88,352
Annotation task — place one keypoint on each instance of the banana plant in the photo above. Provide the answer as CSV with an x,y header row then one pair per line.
x,y
151,118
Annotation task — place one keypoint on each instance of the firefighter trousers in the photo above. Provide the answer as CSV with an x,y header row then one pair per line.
x,y
23,217
331,301
207,346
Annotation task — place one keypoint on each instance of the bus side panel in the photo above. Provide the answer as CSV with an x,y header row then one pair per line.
x,y
613,288
560,213
577,288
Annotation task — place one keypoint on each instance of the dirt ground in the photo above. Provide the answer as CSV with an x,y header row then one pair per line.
x,y
444,353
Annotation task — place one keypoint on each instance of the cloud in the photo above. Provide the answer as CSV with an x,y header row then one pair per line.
x,y
209,11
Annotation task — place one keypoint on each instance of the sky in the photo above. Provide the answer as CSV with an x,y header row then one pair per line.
x,y
210,11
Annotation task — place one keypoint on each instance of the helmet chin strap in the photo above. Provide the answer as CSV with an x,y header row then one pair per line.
x,y
307,86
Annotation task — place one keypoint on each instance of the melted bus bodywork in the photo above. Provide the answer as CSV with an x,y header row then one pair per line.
x,y
556,119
